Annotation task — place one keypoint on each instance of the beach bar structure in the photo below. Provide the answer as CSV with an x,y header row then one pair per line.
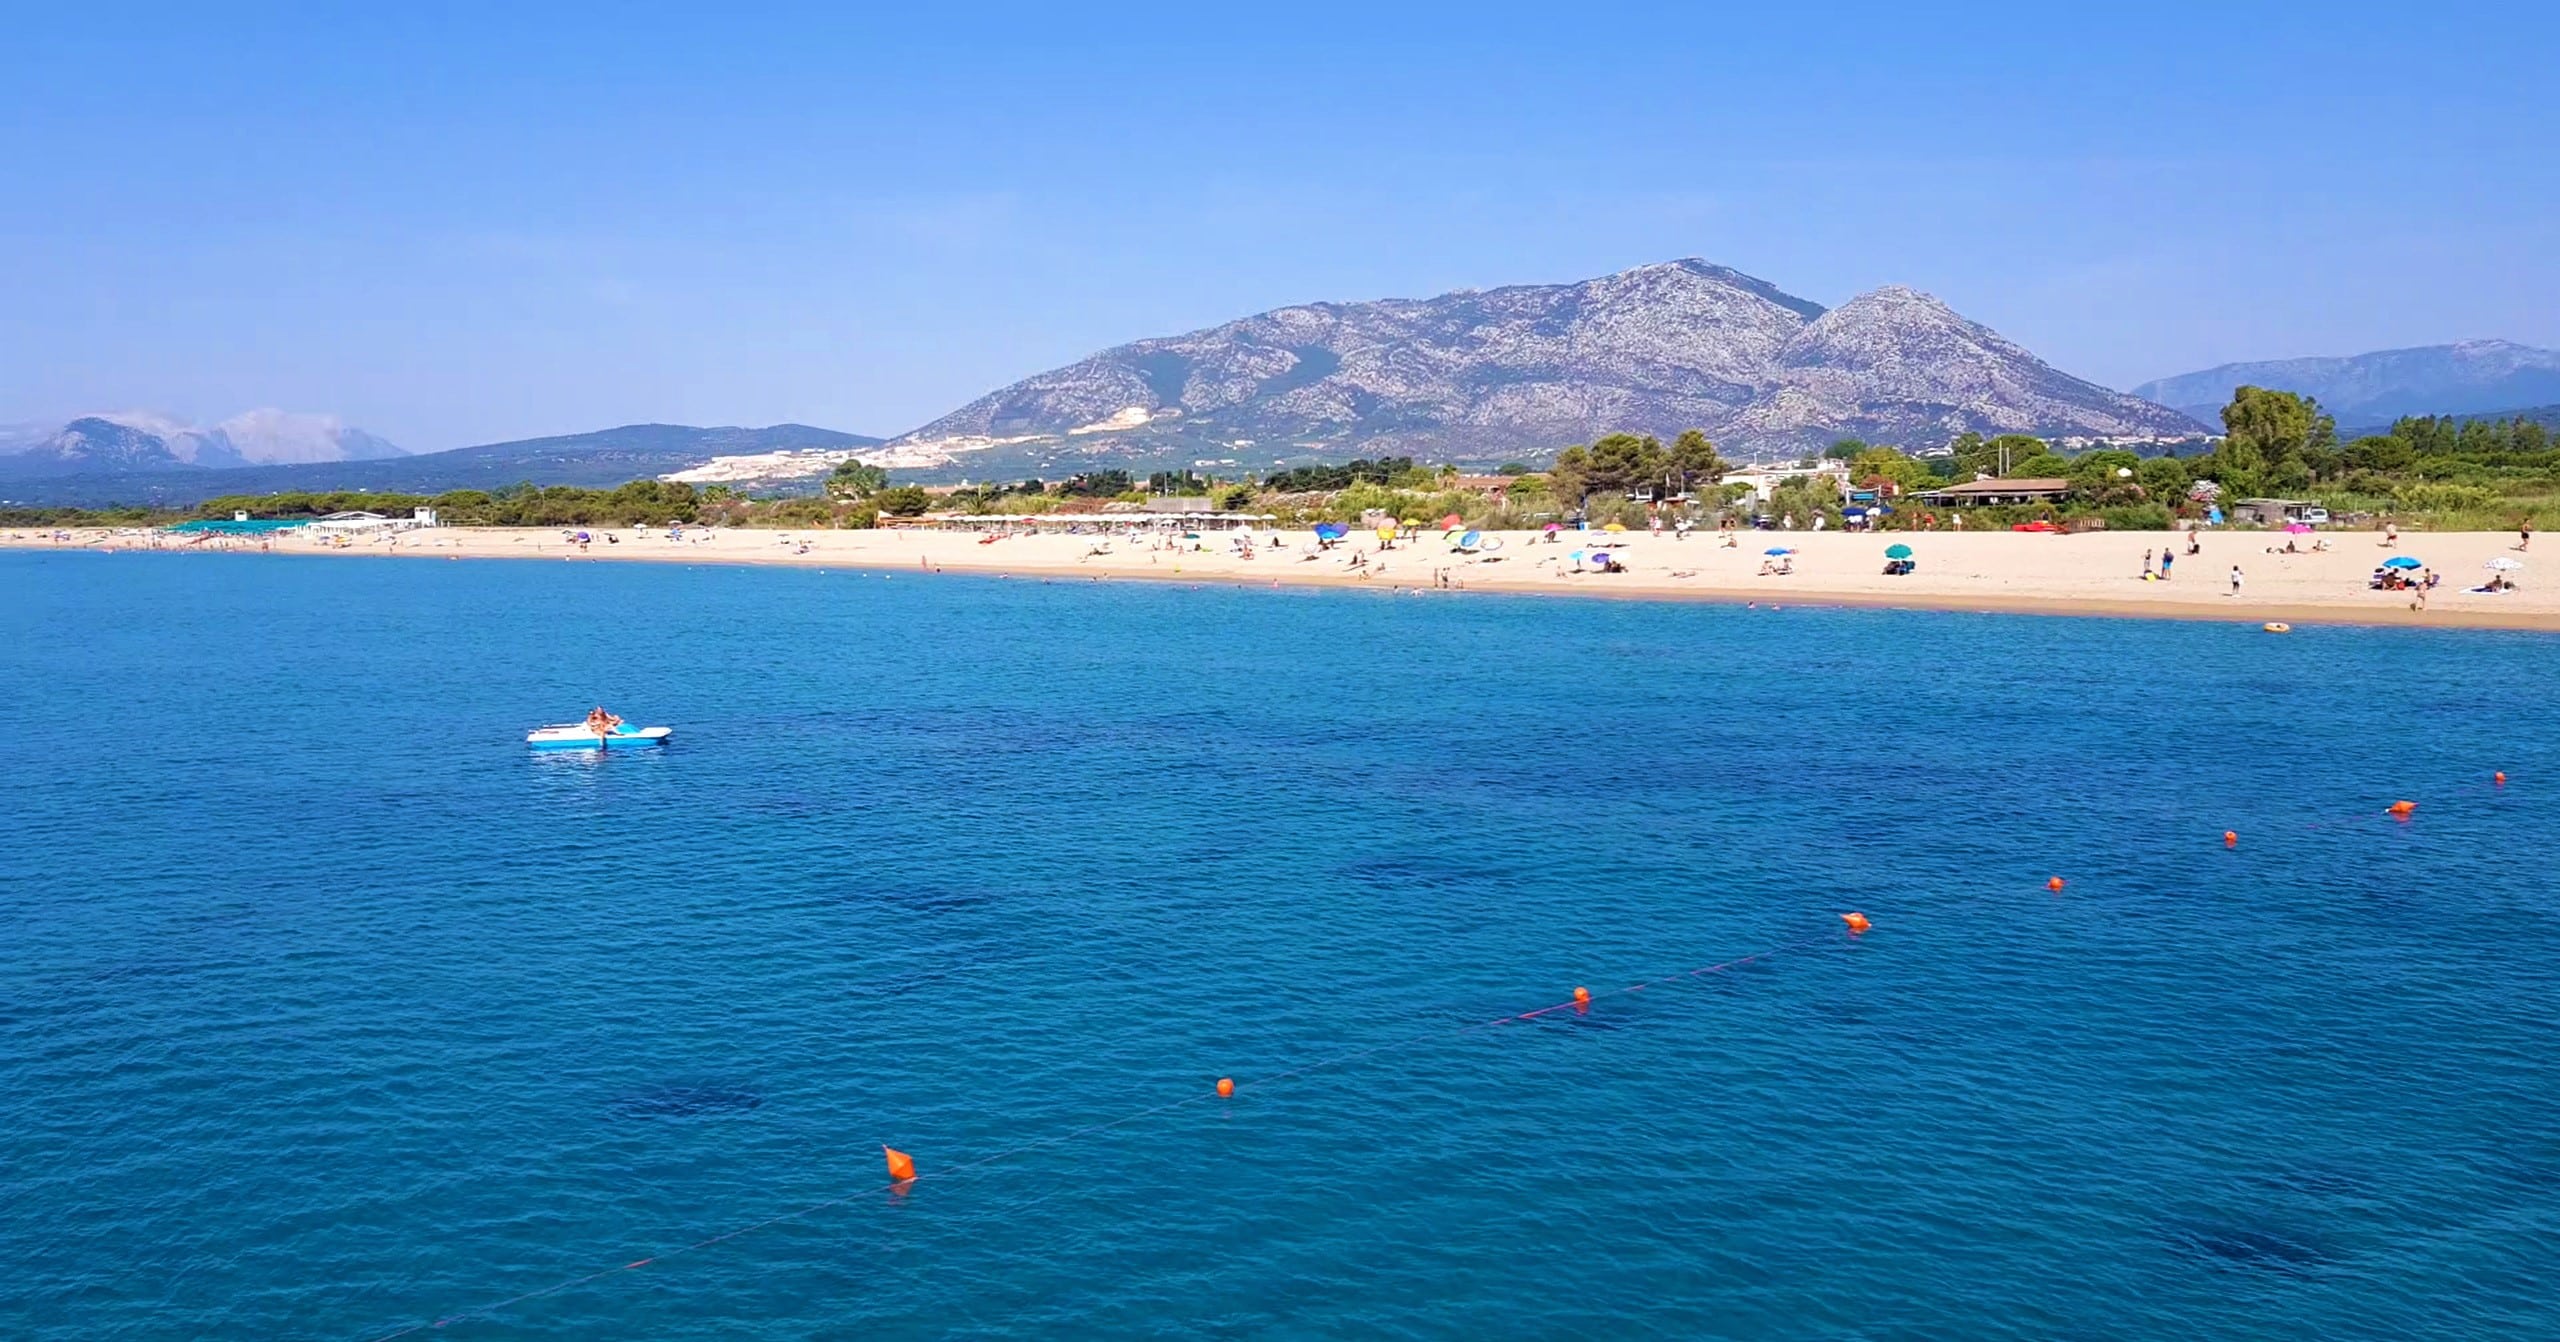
x,y
339,524
2272,512
1999,493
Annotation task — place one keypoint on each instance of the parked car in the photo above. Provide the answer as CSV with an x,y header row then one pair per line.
x,y
2318,517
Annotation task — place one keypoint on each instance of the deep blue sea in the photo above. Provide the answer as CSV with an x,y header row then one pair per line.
x,y
327,1010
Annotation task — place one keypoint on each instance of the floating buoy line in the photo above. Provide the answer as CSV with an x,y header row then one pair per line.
x,y
904,1173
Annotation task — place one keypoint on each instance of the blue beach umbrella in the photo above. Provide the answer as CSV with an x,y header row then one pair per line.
x,y
1331,531
1777,550
1470,540
2403,561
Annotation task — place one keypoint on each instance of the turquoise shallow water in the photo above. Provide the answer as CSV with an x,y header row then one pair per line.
x,y
328,1009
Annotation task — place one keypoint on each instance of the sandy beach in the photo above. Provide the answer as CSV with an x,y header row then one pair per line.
x,y
2091,574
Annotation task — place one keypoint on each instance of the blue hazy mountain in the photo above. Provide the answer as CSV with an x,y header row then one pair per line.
x,y
141,441
2471,378
604,457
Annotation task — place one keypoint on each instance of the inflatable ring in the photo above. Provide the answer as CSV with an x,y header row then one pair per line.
x,y
2277,627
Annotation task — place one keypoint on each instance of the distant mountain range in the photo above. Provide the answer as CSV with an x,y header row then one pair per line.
x,y
605,457
1521,371
2473,377
142,441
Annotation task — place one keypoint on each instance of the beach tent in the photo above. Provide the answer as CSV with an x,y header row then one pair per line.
x,y
1468,540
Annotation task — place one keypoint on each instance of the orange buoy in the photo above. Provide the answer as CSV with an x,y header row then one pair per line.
x,y
902,1167
2403,808
1582,997
1857,922
2500,777
1226,1086
2230,838
2054,885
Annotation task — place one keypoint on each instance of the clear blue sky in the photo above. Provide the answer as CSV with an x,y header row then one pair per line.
x,y
459,226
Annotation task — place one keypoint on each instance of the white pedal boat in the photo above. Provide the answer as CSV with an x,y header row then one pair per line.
x,y
579,736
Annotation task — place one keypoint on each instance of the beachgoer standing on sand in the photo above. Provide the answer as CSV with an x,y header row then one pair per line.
x,y
2195,544
2524,534
2235,580
2166,559
2146,563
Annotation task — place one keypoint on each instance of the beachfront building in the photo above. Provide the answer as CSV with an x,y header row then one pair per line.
x,y
357,523
1999,493
1765,479
2274,512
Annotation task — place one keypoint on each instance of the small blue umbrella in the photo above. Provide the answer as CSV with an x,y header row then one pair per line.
x,y
1470,540
1777,550
2403,561
1331,531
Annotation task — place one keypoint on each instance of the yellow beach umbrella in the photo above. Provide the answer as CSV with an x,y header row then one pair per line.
x,y
1615,526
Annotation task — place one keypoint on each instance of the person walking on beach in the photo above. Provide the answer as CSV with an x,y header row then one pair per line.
x,y
2524,534
2146,565
2235,580
2166,559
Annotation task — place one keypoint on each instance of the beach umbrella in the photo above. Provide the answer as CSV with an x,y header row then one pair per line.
x,y
1554,527
2297,528
1386,533
2404,561
1413,521
1897,552
2505,564
1452,522
1777,550
1470,540
1615,526
1331,531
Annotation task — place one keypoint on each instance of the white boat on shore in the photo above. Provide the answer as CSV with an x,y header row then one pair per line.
x,y
579,736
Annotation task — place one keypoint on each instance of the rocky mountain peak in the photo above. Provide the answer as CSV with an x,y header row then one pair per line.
x,y
1525,369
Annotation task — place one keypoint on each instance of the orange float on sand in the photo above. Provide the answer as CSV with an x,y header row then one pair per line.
x,y
1226,1086
1857,922
902,1167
